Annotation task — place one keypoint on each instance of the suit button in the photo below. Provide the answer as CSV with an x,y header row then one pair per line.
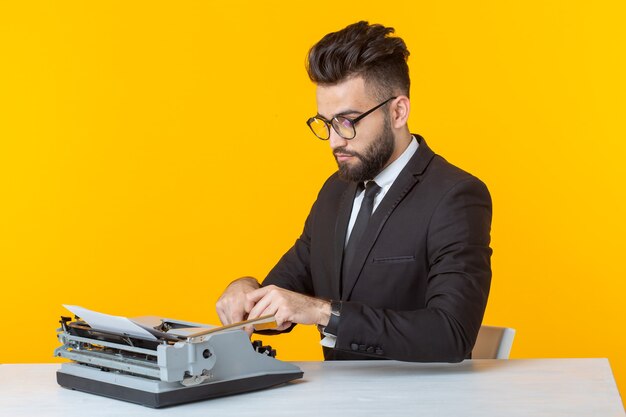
x,y
362,348
379,351
370,349
354,346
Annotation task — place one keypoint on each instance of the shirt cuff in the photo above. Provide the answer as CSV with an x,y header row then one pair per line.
x,y
329,341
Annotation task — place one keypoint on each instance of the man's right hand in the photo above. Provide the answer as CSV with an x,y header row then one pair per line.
x,y
233,305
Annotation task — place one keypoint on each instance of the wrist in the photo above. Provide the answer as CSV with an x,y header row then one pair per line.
x,y
325,311
332,325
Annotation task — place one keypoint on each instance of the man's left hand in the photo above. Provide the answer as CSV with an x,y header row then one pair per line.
x,y
288,307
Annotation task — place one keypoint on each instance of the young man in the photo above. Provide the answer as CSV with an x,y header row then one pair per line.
x,y
394,260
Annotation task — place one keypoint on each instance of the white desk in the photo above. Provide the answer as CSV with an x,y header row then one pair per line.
x,y
533,387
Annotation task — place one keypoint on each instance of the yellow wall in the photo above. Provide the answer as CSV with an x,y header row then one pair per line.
x,y
149,153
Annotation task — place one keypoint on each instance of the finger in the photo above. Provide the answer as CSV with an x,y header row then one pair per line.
x,y
272,310
260,307
248,305
237,316
256,295
284,326
233,313
223,317
223,311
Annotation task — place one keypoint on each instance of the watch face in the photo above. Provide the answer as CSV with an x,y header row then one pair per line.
x,y
335,308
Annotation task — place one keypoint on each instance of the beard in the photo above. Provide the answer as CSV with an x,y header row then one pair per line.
x,y
373,159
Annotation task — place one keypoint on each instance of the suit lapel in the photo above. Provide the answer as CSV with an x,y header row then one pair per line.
x,y
341,228
408,178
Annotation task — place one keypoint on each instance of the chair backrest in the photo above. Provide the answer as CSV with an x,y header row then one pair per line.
x,y
493,343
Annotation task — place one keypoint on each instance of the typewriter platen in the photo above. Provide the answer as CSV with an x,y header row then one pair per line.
x,y
172,362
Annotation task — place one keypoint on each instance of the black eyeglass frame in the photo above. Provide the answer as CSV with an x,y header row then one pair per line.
x,y
353,122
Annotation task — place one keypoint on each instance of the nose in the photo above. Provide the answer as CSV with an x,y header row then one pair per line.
x,y
335,140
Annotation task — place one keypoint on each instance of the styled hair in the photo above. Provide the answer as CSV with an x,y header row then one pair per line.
x,y
363,50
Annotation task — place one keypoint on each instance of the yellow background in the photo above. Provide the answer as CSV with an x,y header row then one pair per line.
x,y
150,152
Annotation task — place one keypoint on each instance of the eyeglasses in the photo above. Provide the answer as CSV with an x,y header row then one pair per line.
x,y
342,125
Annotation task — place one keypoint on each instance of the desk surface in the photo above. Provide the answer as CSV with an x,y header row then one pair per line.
x,y
530,387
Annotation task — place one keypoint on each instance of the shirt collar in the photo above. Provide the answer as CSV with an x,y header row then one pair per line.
x,y
388,175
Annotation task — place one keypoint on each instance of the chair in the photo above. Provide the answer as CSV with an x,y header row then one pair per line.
x,y
493,343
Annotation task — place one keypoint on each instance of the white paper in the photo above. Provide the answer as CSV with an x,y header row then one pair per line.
x,y
113,324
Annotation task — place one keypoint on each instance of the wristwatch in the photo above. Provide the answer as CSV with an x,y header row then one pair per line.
x,y
333,323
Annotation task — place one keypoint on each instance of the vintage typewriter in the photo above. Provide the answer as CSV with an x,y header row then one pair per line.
x,y
159,362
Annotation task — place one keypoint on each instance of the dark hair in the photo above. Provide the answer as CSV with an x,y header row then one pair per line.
x,y
363,50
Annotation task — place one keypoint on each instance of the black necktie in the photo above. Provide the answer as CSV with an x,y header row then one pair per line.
x,y
362,219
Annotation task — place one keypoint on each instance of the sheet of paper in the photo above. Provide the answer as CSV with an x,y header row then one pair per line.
x,y
113,324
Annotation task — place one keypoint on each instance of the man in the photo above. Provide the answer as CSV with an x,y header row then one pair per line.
x,y
394,259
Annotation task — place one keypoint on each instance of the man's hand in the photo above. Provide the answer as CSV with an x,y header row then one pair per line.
x,y
288,307
233,305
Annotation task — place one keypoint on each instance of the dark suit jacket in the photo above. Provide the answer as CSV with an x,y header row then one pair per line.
x,y
420,280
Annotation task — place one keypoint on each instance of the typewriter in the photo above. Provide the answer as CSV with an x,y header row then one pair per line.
x,y
159,362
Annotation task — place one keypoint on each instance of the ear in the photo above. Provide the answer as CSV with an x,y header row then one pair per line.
x,y
400,109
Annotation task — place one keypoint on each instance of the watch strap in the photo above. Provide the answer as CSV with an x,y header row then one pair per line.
x,y
333,323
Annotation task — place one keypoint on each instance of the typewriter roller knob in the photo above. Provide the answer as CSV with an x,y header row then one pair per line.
x,y
64,320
